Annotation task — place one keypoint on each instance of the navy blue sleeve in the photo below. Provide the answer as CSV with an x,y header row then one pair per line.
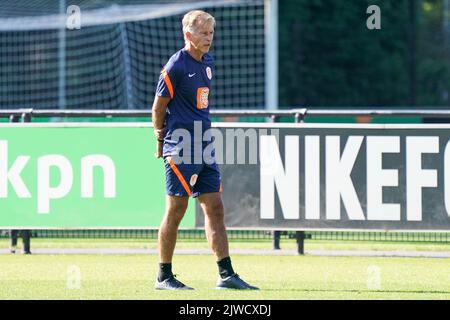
x,y
168,80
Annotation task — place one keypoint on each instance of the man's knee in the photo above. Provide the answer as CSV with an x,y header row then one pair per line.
x,y
214,210
176,211
175,215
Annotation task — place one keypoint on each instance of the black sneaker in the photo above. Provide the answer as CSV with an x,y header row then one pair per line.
x,y
171,284
234,282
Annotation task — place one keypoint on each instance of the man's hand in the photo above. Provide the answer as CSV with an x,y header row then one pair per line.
x,y
159,149
159,133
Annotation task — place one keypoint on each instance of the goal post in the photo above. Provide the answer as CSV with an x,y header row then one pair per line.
x,y
271,16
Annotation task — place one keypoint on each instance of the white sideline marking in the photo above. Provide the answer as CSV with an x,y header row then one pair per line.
x,y
333,253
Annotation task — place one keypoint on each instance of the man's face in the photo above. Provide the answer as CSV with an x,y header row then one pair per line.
x,y
202,38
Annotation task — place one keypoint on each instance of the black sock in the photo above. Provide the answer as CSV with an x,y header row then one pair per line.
x,y
225,268
165,271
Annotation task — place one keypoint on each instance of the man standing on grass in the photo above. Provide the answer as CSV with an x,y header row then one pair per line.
x,y
181,102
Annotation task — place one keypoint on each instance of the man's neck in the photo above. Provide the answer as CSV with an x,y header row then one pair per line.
x,y
196,54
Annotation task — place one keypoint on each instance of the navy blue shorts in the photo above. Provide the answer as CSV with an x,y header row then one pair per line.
x,y
191,179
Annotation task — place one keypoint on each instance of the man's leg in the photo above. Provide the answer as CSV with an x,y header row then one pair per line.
x,y
216,234
215,230
167,235
167,238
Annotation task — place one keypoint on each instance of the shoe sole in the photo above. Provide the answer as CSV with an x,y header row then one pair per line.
x,y
225,288
174,289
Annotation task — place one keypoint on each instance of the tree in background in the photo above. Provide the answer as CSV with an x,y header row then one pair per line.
x,y
328,57
433,54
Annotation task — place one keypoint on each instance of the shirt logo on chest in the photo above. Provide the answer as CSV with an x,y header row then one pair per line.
x,y
209,73
202,97
193,179
191,75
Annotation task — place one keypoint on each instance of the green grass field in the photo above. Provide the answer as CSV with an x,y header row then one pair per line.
x,y
279,277
132,276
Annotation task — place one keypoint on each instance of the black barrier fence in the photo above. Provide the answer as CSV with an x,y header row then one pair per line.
x,y
427,114
246,235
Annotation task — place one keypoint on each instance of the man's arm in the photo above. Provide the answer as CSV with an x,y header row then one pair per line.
x,y
158,118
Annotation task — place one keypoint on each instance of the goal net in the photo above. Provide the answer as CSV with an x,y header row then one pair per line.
x,y
113,60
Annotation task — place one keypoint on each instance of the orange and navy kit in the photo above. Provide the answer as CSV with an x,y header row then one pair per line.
x,y
187,82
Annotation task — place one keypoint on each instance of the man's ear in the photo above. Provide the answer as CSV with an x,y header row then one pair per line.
x,y
188,35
